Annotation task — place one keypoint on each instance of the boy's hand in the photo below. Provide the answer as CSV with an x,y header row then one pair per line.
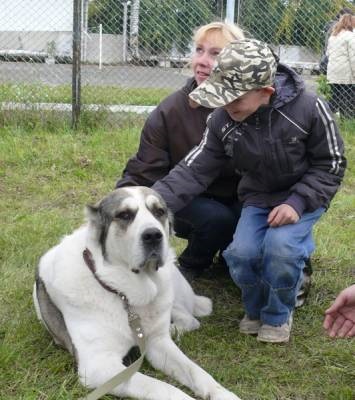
x,y
282,215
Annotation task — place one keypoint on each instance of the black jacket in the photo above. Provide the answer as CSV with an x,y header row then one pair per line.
x,y
170,132
287,152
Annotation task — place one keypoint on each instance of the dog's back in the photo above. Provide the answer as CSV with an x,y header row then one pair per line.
x,y
49,269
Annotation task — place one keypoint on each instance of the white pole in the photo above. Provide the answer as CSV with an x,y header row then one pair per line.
x,y
124,48
230,11
100,46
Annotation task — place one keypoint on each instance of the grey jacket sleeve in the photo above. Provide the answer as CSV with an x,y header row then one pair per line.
x,y
195,172
325,150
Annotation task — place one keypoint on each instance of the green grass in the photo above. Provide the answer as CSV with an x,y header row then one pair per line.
x,y
104,95
48,173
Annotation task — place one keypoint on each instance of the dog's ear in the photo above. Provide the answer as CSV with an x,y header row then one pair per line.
x,y
92,214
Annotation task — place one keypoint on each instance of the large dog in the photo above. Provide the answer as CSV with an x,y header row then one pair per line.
x,y
122,252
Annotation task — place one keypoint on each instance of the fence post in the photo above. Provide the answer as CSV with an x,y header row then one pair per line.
x,y
76,74
124,29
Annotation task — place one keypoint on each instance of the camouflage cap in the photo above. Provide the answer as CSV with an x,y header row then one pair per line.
x,y
241,66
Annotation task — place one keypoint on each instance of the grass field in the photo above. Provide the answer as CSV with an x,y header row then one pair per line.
x,y
40,93
48,173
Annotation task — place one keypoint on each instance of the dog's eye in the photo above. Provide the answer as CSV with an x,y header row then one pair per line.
x,y
124,215
159,212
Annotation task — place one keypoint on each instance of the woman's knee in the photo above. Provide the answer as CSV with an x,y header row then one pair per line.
x,y
222,221
208,215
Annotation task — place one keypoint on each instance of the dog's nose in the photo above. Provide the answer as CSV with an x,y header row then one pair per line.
x,y
152,236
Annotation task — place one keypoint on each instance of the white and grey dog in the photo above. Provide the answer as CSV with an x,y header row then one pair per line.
x,y
123,248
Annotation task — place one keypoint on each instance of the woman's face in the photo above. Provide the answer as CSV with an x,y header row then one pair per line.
x,y
203,59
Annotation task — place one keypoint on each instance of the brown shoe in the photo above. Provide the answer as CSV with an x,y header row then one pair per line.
x,y
275,334
249,326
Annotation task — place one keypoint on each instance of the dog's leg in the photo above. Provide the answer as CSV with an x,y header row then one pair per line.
x,y
187,304
183,321
97,370
163,353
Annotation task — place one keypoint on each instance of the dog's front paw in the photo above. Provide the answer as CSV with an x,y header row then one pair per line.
x,y
220,393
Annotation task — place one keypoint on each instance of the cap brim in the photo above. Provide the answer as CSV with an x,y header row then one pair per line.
x,y
213,95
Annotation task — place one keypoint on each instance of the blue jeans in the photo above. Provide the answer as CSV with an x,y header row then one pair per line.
x,y
267,263
208,225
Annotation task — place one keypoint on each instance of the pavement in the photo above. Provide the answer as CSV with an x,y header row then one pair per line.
x,y
129,76
124,76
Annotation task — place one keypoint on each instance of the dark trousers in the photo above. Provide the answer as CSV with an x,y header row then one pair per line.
x,y
208,226
343,100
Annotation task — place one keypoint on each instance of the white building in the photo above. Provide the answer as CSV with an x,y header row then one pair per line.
x,y
36,27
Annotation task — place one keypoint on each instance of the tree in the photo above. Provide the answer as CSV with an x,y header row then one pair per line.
x,y
134,29
261,19
108,13
155,26
169,23
289,22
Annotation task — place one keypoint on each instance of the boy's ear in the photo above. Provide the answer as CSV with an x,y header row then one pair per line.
x,y
269,90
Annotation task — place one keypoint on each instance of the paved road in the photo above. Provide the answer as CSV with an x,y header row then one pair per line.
x,y
125,76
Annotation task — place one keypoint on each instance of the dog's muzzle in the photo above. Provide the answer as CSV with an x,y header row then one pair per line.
x,y
152,239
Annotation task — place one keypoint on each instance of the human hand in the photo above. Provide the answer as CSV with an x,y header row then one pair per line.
x,y
339,319
282,215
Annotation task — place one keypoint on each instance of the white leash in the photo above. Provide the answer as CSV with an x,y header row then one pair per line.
x,y
136,327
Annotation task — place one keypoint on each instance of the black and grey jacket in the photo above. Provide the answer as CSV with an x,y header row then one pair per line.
x,y
287,152
170,132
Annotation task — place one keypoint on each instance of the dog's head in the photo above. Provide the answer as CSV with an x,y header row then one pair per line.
x,y
132,225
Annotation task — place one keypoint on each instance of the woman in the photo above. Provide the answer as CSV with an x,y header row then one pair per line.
x,y
341,66
170,132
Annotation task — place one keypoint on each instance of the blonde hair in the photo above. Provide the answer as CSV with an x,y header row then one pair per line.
x,y
346,23
218,33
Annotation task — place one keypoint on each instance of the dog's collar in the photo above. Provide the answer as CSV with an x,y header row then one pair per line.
x,y
89,261
136,327
132,315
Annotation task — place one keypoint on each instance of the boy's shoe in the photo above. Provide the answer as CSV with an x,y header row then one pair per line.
x,y
304,290
306,284
275,334
249,326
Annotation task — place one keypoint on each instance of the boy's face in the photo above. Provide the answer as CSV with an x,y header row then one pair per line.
x,y
248,103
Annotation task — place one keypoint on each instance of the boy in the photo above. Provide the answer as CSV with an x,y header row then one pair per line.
x,y
285,144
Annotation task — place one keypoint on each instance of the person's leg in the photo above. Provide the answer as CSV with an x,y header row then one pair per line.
x,y
352,101
334,98
208,225
243,257
285,250
341,99
348,101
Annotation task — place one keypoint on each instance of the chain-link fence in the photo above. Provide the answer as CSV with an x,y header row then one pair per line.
x,y
135,52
